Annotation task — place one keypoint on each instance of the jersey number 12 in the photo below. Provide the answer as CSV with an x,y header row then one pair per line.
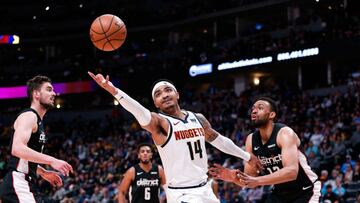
x,y
197,149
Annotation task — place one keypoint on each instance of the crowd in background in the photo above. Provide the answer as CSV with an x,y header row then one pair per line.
x,y
101,150
176,50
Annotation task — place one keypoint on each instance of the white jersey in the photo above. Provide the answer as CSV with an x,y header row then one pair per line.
x,y
183,155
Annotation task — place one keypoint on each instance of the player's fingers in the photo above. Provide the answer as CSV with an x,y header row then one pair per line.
x,y
69,168
59,182
107,78
241,175
91,74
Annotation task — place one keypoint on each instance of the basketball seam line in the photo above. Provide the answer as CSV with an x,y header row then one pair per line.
x,y
105,33
110,34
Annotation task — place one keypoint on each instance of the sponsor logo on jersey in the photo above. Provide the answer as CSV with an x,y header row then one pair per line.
x,y
256,148
305,188
272,145
271,160
185,134
139,173
175,123
153,172
147,183
193,120
42,138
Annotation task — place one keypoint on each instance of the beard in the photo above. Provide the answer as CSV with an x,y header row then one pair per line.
x,y
259,123
46,106
145,161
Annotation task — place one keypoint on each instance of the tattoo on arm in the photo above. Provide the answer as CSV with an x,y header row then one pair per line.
x,y
210,133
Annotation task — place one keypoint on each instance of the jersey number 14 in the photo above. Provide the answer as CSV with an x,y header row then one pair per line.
x,y
197,149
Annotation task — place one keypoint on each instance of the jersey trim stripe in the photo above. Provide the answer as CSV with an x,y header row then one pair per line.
x,y
184,121
315,198
198,120
309,173
22,188
170,132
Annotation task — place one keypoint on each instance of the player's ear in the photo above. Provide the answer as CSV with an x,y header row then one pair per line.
x,y
36,94
177,95
272,115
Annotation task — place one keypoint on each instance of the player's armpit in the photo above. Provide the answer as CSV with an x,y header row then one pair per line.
x,y
158,127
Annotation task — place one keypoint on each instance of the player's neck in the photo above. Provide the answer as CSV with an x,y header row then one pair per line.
x,y
146,167
175,111
41,111
266,131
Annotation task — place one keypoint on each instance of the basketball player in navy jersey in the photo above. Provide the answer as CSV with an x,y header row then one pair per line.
x,y
179,136
285,166
27,145
144,179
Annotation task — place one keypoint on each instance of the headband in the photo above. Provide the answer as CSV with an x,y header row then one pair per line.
x,y
161,83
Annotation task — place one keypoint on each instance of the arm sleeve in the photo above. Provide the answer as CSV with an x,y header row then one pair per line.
x,y
227,146
142,114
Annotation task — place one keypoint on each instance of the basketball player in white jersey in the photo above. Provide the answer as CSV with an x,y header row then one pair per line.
x,y
180,138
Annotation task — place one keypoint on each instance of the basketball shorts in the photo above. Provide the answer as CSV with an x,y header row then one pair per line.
x,y
18,188
197,194
305,195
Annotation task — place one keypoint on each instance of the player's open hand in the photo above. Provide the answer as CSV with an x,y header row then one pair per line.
x,y
222,173
62,166
247,180
103,82
53,178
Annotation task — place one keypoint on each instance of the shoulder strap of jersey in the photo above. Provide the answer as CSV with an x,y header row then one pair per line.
x,y
137,168
255,139
155,168
32,110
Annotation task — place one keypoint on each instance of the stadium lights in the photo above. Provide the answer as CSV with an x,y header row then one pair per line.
x,y
256,81
116,102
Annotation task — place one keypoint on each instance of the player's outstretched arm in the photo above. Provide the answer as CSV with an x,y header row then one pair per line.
x,y
222,143
25,124
151,122
125,184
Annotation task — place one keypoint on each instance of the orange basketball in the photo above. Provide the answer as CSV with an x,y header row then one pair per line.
x,y
108,32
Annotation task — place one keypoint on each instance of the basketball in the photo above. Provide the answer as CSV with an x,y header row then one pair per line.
x,y
108,32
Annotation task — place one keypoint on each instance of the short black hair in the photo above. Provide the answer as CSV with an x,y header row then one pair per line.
x,y
158,80
273,105
35,84
143,145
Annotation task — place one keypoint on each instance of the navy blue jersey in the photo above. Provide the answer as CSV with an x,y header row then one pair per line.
x,y
36,142
145,187
270,157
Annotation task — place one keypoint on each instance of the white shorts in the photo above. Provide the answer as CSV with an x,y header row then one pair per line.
x,y
203,194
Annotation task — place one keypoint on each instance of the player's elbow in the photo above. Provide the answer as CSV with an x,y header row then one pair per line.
x,y
292,173
15,151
